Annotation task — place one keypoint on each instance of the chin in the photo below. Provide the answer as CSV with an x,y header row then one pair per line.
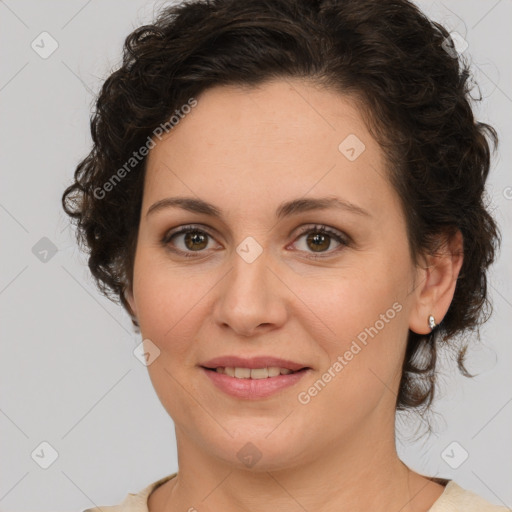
x,y
258,450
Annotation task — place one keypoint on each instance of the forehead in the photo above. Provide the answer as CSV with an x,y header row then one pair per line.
x,y
274,112
282,138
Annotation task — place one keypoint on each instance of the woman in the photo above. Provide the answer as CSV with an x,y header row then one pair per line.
x,y
286,197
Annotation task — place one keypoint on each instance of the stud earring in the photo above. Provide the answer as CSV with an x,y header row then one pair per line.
x,y
431,322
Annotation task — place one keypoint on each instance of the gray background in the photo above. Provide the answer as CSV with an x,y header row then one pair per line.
x,y
68,374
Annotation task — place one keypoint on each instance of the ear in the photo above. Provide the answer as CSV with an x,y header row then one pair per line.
x,y
435,282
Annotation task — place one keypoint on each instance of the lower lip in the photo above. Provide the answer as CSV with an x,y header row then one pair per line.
x,y
253,388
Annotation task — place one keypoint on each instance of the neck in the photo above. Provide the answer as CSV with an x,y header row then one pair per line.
x,y
350,478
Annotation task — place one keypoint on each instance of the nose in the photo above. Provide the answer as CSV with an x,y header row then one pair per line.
x,y
251,298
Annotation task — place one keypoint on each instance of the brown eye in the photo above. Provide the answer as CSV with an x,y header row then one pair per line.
x,y
193,240
319,240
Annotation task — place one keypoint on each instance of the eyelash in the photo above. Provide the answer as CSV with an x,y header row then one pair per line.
x,y
318,228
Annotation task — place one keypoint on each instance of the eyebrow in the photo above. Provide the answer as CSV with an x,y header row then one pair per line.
x,y
285,209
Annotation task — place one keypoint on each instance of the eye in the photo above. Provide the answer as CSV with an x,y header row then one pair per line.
x,y
319,237
194,240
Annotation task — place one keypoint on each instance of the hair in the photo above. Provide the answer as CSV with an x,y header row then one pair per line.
x,y
401,69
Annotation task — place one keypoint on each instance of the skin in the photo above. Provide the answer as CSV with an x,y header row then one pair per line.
x,y
246,151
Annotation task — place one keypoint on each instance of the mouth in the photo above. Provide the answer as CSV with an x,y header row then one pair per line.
x,y
254,378
239,372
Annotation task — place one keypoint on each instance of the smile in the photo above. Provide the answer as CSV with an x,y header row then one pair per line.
x,y
253,383
253,373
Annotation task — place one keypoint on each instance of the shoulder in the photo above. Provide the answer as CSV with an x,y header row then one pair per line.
x,y
134,502
457,499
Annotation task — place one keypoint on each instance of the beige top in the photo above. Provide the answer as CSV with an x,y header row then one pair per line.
x,y
453,499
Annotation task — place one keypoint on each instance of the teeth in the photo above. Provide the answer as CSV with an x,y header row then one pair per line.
x,y
253,373
273,371
258,373
242,373
228,371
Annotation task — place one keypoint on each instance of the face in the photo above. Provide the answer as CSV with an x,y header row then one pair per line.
x,y
329,288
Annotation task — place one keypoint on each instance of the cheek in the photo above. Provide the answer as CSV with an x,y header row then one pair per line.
x,y
356,297
169,308
169,302
363,320
363,352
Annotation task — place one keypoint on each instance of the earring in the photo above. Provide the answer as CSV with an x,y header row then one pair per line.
x,y
431,322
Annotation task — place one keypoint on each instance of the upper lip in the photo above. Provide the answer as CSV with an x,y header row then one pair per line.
x,y
252,362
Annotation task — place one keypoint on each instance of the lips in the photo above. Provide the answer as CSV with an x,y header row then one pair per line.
x,y
252,363
253,378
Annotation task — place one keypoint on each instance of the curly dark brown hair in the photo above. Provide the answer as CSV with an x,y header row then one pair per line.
x,y
413,90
